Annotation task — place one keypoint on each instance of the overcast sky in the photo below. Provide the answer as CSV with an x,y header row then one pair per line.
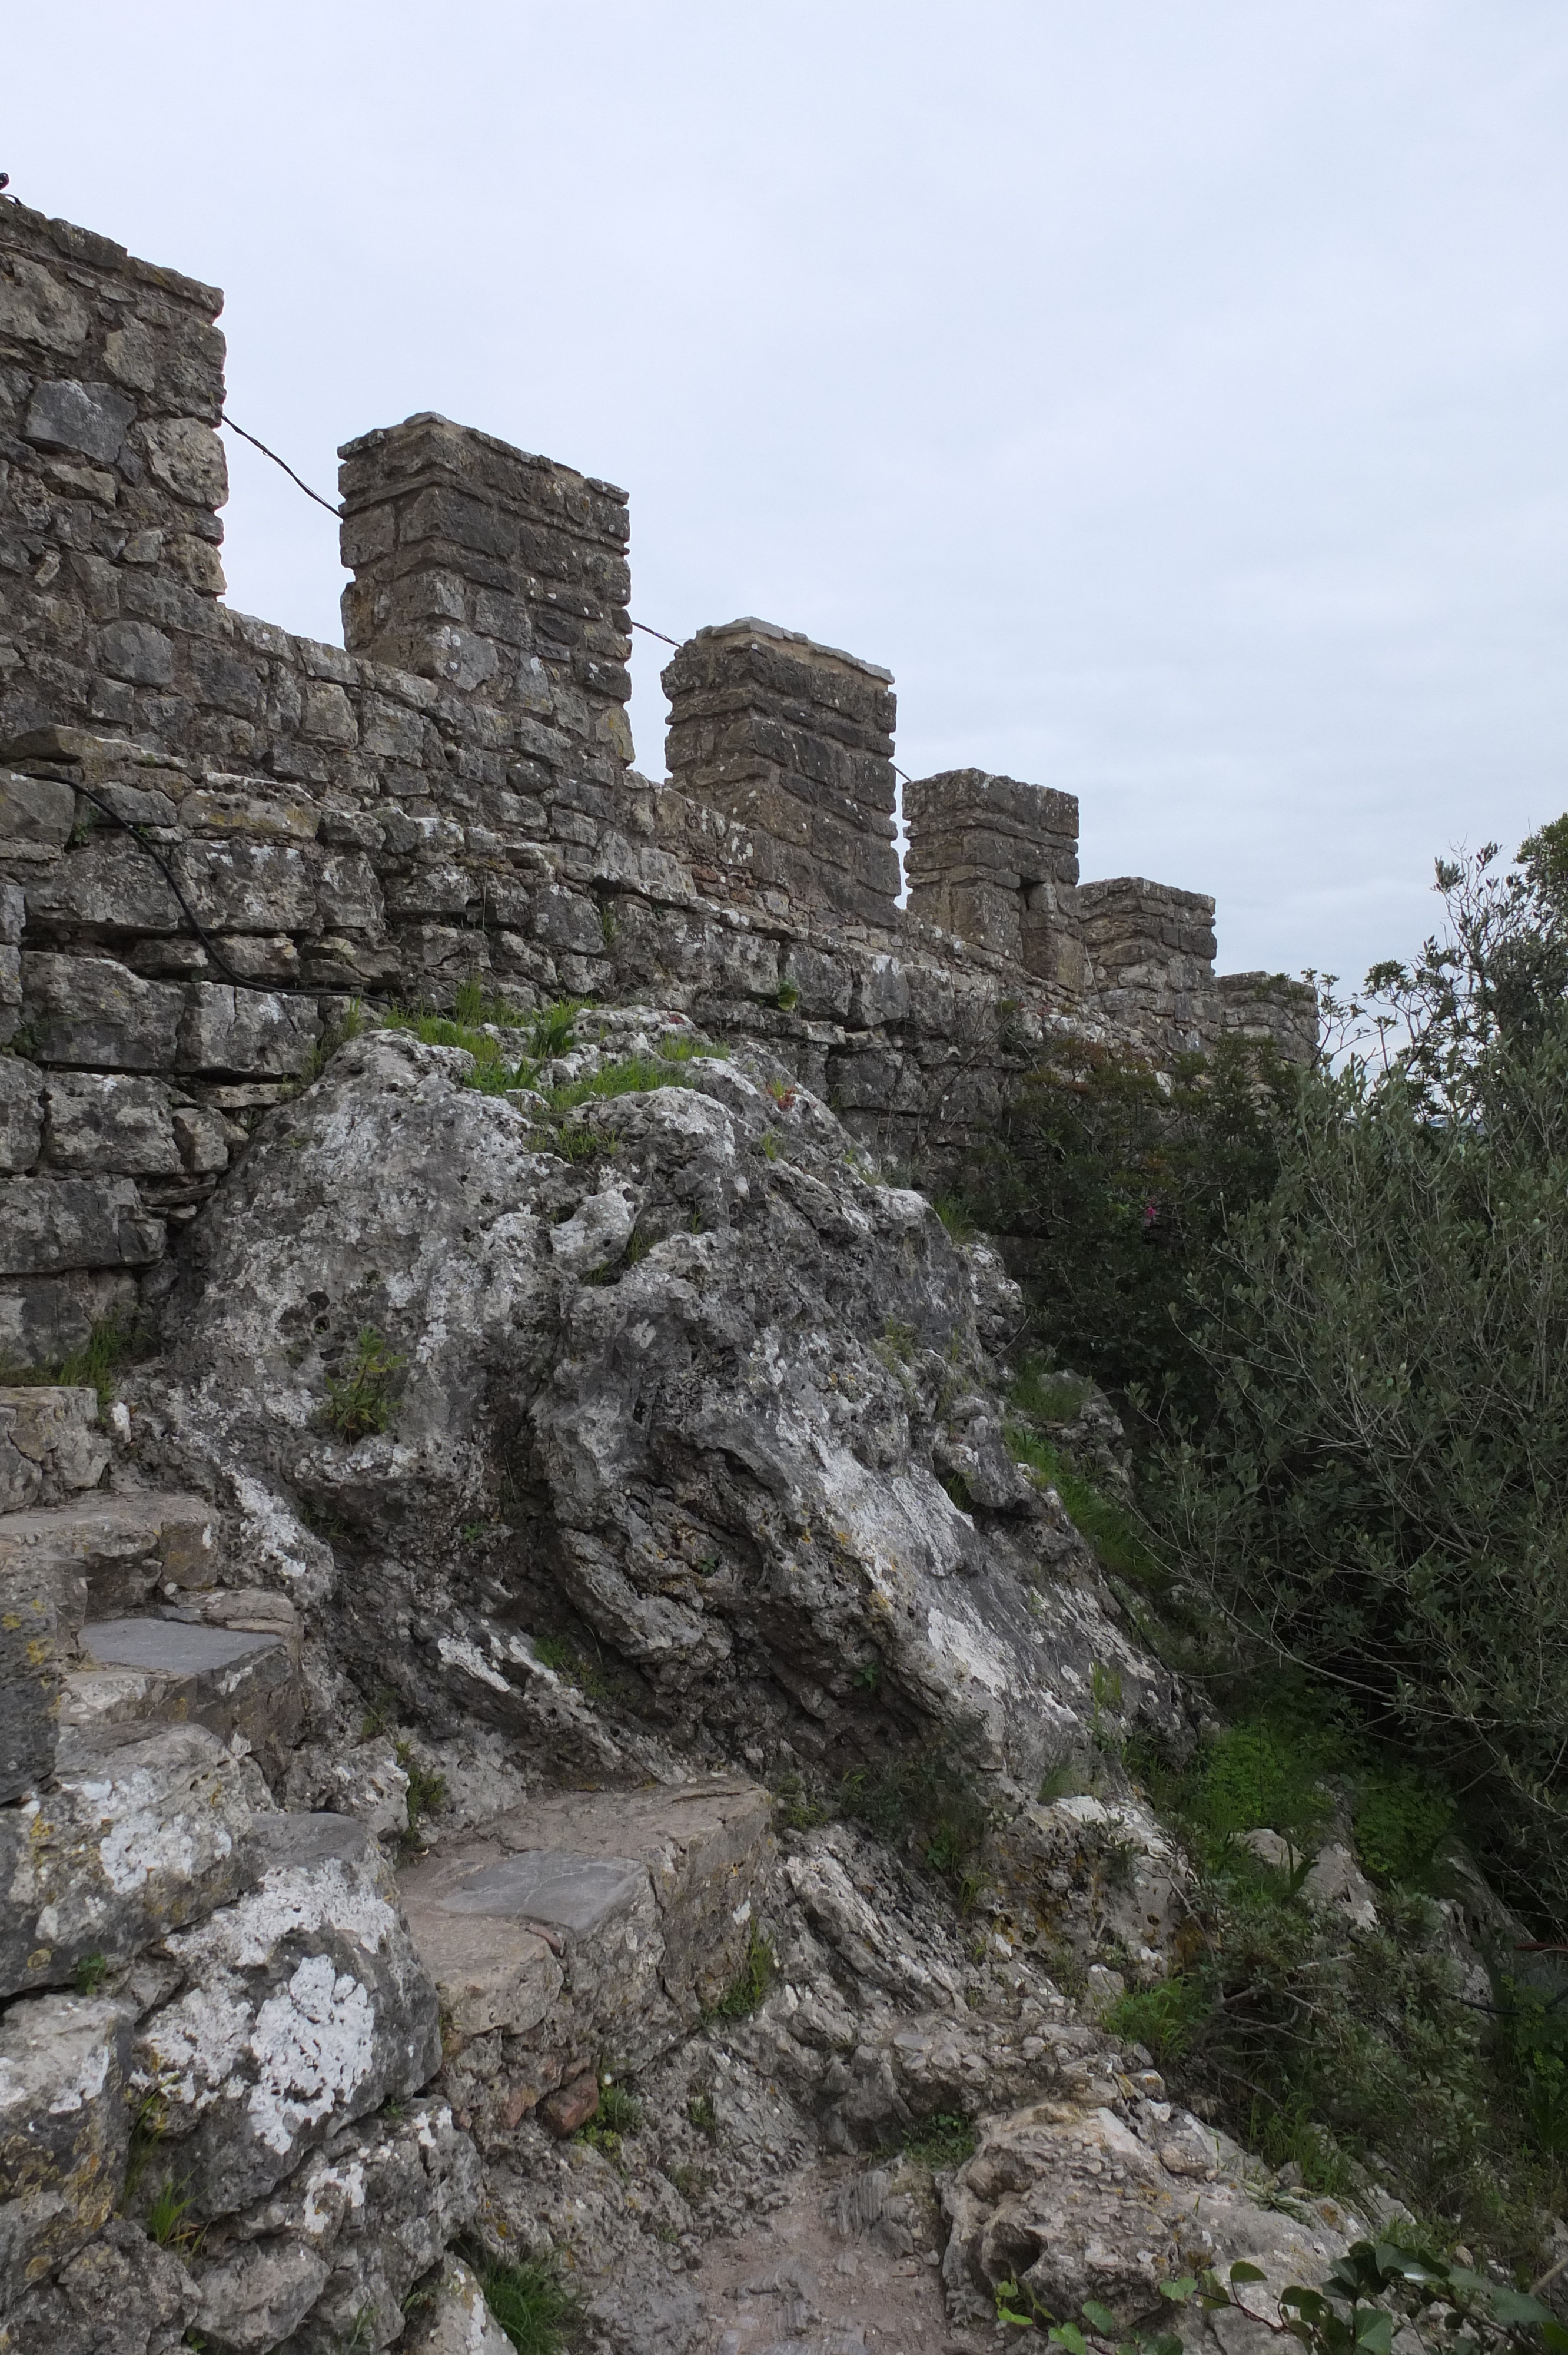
x,y
1172,393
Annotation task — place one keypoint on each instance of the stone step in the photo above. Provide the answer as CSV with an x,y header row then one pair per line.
x,y
582,1926
177,1671
106,1551
151,1559
50,1445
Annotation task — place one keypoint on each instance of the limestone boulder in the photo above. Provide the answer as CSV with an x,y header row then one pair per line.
x,y
453,2318
142,1831
304,2006
65,2130
329,2259
1106,2190
122,2295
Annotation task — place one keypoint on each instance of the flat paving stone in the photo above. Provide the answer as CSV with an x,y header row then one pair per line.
x,y
171,1646
567,1892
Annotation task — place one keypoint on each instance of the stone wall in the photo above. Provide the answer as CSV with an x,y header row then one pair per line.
x,y
448,798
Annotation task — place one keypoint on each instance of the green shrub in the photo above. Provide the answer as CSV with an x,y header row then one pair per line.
x,y
1110,1183
924,1805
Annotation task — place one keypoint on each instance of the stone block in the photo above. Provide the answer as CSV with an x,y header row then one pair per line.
x,y
21,1115
53,1427
187,458
38,307
143,1831
201,1138
571,2105
238,886
44,1317
602,1922
120,2295
39,810
307,2005
118,1551
110,1123
65,2131
97,1014
90,418
259,814
107,888
48,1224
29,1681
250,1033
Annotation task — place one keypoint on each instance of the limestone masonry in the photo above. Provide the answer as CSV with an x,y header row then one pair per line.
x,y
440,1675
449,796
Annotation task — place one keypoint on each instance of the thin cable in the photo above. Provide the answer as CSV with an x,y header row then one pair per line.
x,y
338,511
279,462
240,980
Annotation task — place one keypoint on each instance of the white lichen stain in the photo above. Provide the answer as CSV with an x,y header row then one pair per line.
x,y
313,2043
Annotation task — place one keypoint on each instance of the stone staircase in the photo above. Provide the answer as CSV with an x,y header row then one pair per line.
x,y
114,1605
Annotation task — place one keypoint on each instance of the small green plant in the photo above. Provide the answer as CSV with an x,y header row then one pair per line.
x,y
923,1805
868,1676
552,1029
788,997
529,2301
769,1144
608,925
1109,1528
167,2219
362,1398
1105,1696
381,1714
1373,2291
1048,1397
1164,2018
349,1025
1066,1779
957,1217
958,1489
945,2138
90,1973
795,1807
751,1982
783,1092
700,2110
113,1343
690,2181
619,2112
426,1792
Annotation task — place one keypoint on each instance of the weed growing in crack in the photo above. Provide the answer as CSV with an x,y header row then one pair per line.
x,y
750,1985
363,1399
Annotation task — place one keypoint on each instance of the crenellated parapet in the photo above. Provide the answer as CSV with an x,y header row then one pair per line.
x,y
996,862
497,574
216,836
793,740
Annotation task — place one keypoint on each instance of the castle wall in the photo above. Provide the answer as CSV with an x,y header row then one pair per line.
x,y
448,797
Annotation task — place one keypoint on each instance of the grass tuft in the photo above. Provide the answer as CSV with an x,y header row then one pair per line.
x,y
750,1985
363,1398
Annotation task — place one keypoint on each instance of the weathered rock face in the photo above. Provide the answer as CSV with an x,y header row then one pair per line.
x,y
699,1397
